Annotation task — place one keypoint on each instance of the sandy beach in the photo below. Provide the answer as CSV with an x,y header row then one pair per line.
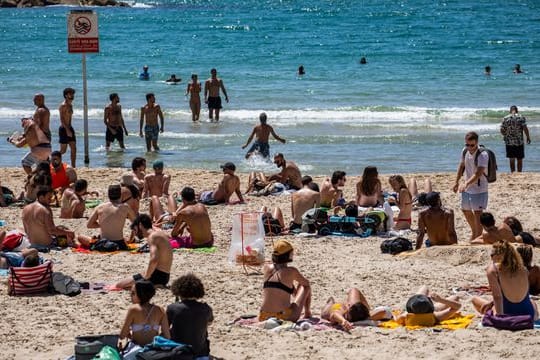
x,y
44,327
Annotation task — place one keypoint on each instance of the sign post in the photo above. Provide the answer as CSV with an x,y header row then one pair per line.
x,y
82,29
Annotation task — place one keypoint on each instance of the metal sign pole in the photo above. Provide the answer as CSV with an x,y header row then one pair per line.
x,y
85,111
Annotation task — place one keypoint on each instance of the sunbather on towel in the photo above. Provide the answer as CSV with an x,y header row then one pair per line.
x,y
428,309
354,308
281,299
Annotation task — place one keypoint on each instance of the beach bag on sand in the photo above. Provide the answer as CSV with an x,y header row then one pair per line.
x,y
12,240
396,246
87,347
373,221
30,280
105,245
247,242
64,284
507,322
313,219
492,163
162,348
108,353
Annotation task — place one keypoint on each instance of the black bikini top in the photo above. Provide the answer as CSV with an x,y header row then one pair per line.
x,y
277,285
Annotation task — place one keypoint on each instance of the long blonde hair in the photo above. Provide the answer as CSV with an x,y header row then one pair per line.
x,y
511,260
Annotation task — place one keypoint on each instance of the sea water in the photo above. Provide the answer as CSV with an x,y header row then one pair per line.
x,y
406,110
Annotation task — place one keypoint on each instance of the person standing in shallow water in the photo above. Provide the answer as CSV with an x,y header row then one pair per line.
x,y
66,134
150,113
114,121
512,128
211,94
194,91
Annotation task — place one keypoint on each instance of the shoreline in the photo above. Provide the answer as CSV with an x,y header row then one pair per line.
x,y
332,264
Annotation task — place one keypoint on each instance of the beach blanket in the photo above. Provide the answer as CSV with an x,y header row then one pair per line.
x,y
132,248
457,322
313,323
205,250
472,289
92,203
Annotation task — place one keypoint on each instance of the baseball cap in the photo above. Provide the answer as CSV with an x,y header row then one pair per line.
x,y
228,166
126,179
282,247
432,198
420,304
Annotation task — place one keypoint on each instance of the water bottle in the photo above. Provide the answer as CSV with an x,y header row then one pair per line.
x,y
389,215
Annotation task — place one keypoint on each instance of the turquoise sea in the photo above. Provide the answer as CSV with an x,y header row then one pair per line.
x,y
406,110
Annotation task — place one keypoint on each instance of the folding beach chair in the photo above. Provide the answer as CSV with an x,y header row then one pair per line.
x,y
30,280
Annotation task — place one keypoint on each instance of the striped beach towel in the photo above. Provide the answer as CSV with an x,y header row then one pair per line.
x,y
30,280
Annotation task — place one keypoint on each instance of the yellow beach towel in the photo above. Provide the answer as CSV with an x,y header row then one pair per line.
x,y
457,322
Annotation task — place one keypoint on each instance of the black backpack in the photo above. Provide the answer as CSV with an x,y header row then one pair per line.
x,y
492,163
395,246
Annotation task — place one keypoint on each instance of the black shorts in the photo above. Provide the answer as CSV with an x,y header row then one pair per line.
x,y
109,136
158,277
515,151
214,102
271,225
62,134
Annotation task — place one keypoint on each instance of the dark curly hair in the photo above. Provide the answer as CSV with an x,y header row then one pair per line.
x,y
188,286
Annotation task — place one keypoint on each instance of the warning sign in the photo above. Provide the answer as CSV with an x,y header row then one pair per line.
x,y
82,32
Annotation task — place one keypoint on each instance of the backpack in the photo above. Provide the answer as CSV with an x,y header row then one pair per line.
x,y
165,349
12,240
340,225
313,219
492,163
105,245
373,221
87,347
395,246
65,284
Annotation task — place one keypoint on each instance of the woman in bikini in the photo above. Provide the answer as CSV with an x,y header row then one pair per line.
x,y
509,282
281,299
354,308
368,189
404,201
143,320
194,89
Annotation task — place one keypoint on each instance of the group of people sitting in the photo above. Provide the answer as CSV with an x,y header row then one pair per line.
x,y
511,277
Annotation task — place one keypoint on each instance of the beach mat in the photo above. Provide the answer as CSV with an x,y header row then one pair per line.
x,y
454,323
98,287
132,248
313,323
204,250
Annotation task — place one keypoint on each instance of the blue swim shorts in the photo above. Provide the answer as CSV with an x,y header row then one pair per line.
x,y
474,202
151,132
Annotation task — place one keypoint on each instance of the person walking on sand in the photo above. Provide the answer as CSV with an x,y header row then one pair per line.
x,y
262,133
211,94
150,113
474,191
66,134
512,128
36,139
194,91
114,121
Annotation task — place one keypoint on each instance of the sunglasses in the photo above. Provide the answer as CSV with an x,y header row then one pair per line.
x,y
470,145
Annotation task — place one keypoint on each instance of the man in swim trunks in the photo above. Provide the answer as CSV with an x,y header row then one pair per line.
x,y
512,129
302,200
289,176
36,139
474,191
161,255
437,222
229,184
262,133
114,121
211,94
331,194
157,184
110,218
66,134
150,113
193,217
38,222
493,233
42,115
73,203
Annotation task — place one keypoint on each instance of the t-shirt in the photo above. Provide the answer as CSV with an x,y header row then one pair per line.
x,y
14,259
470,170
189,321
512,128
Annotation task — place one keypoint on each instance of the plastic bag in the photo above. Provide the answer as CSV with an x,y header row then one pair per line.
x,y
247,243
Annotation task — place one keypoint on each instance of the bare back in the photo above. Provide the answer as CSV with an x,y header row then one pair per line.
x,y
196,218
439,225
291,175
156,184
111,218
329,194
159,243
38,223
302,201
229,185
